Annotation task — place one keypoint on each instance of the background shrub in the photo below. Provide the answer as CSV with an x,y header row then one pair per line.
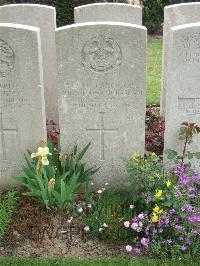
x,y
153,12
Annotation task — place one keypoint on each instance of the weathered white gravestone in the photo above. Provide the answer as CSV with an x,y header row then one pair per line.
x,y
183,84
43,17
175,15
108,12
22,114
102,92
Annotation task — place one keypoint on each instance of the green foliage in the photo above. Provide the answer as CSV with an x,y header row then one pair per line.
x,y
7,201
56,183
153,12
144,175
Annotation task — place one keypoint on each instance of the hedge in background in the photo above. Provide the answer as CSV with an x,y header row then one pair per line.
x,y
153,12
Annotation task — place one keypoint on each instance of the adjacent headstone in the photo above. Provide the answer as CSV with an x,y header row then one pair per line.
x,y
108,12
174,15
43,17
22,113
102,92
183,84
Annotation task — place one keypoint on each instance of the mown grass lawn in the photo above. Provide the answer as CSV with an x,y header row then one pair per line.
x,y
154,65
95,262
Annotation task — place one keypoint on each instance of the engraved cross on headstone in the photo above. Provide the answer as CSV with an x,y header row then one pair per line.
x,y
2,132
102,130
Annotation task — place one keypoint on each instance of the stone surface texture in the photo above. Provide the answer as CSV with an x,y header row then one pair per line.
x,y
43,17
22,113
183,85
102,92
108,12
175,15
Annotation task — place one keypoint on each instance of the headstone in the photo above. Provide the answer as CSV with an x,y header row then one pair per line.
x,y
174,15
43,17
22,114
108,12
102,92
183,84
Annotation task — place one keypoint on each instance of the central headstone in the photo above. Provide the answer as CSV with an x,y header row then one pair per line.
x,y
22,109
43,17
102,92
183,85
115,12
174,15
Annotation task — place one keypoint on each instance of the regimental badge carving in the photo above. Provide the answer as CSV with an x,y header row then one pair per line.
x,y
101,54
6,59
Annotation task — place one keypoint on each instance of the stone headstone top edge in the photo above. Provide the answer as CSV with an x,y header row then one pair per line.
x,y
28,5
185,26
106,23
20,26
107,4
180,5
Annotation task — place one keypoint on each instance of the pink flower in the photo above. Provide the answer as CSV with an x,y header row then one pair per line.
x,y
86,228
134,226
128,248
70,220
126,224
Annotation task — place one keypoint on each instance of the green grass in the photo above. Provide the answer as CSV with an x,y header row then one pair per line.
x,y
154,63
95,262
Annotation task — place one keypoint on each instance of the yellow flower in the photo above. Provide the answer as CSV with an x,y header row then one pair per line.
x,y
155,218
51,183
160,211
156,209
168,183
137,157
158,193
42,153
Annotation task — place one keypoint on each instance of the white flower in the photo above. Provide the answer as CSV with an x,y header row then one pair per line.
x,y
86,228
140,224
89,206
100,229
80,210
126,224
106,184
99,191
129,248
105,225
141,216
42,153
91,183
134,226
70,220
131,206
103,189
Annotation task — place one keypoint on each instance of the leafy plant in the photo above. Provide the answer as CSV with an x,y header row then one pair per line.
x,y
7,202
53,178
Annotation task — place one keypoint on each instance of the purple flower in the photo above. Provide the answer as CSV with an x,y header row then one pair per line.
x,y
169,241
187,207
178,193
192,196
167,221
178,227
172,211
194,219
160,230
145,242
147,231
137,251
176,220
147,198
191,190
135,219
188,241
184,247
